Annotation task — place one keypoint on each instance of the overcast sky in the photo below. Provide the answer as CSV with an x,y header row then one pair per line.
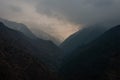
x,y
61,18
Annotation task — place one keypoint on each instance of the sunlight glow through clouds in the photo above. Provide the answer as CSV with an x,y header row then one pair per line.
x,y
58,28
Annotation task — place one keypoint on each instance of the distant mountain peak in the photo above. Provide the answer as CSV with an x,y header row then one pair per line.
x,y
114,31
116,27
1,24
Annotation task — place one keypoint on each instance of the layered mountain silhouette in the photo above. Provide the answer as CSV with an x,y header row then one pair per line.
x,y
90,54
82,37
16,59
18,27
46,50
97,60
43,35
24,29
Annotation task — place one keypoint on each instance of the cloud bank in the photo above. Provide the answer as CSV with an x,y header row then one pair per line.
x,y
61,18
86,12
25,11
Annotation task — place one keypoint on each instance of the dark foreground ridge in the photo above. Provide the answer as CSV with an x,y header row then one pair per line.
x,y
16,62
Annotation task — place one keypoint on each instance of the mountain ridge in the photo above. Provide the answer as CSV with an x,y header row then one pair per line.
x,y
26,31
91,61
17,62
47,51
82,37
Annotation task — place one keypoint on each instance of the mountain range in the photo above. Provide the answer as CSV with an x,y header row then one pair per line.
x,y
97,60
82,37
46,50
16,59
90,54
26,31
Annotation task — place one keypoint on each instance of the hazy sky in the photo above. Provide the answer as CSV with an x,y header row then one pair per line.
x,y
61,18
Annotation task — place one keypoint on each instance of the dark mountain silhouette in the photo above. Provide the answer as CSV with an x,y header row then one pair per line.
x,y
24,29
43,35
19,27
47,51
92,56
16,59
98,60
82,37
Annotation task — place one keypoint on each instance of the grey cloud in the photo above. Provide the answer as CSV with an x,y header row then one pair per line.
x,y
83,12
7,10
15,9
87,12
100,3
